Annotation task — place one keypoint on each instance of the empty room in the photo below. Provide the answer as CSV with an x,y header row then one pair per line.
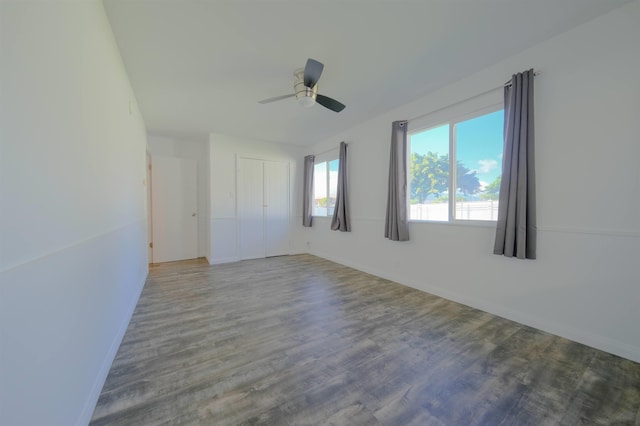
x,y
319,212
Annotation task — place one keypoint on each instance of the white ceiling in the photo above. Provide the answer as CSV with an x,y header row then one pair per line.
x,y
200,66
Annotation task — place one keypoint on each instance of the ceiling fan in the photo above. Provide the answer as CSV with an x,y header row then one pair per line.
x,y
306,88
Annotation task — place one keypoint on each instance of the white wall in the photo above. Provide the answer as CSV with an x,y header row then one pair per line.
x,y
73,254
585,285
223,151
169,147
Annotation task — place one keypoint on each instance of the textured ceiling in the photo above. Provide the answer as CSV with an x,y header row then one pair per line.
x,y
201,66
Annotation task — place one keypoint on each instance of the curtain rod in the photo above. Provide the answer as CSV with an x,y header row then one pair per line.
x,y
507,84
328,150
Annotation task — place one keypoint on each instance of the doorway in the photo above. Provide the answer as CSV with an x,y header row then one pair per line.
x,y
174,206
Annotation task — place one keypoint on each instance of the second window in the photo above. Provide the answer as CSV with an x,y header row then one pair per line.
x,y
325,187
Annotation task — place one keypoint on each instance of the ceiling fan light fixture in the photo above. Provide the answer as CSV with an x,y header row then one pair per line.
x,y
306,96
306,101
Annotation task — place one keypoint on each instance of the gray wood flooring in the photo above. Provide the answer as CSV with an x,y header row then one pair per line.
x,y
298,340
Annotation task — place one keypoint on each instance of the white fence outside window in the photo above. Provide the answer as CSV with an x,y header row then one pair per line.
x,y
465,210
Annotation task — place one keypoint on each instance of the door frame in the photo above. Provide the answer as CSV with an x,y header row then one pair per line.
x,y
149,208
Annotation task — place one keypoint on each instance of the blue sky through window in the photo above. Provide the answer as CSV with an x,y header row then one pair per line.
x,y
478,144
432,140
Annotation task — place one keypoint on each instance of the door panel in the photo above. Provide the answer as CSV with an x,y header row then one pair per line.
x,y
276,195
174,200
250,208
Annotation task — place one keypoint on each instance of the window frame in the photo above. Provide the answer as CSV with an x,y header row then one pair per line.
x,y
333,155
451,119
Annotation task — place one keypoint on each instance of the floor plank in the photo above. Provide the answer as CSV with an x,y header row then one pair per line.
x,y
299,340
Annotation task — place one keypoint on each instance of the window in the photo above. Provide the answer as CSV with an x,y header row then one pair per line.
x,y
472,149
325,187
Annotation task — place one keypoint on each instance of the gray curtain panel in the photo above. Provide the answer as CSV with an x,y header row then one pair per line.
x,y
307,194
516,228
340,220
396,226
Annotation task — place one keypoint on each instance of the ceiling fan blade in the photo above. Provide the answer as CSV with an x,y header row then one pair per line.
x,y
277,98
312,72
329,103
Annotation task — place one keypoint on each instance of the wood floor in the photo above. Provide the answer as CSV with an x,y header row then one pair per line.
x,y
298,340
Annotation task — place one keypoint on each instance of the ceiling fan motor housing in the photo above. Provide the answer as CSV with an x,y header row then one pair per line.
x,y
306,96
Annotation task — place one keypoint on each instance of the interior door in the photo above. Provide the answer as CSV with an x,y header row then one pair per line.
x,y
276,211
251,208
174,200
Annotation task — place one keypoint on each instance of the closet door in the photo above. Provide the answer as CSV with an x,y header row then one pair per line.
x,y
251,242
276,211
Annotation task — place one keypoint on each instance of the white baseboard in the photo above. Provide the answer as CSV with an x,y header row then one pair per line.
x,y
222,260
101,377
80,300
589,339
